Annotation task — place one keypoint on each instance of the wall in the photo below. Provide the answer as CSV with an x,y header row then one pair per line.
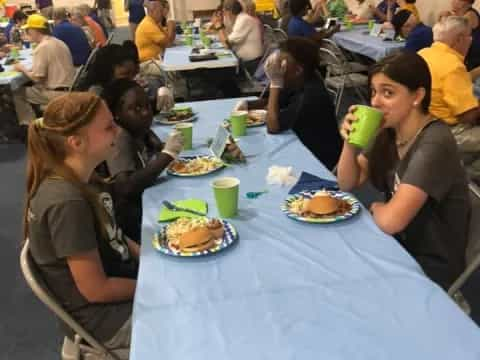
x,y
428,9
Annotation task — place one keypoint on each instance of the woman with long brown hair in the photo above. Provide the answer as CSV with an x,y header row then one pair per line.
x,y
414,160
83,256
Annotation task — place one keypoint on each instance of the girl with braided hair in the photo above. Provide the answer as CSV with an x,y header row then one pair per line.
x,y
86,261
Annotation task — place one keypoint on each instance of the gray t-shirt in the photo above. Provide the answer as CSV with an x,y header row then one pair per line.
x,y
437,235
61,223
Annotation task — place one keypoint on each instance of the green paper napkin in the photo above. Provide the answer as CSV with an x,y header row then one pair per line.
x,y
193,204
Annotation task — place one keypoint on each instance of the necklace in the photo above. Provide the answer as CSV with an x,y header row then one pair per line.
x,y
402,143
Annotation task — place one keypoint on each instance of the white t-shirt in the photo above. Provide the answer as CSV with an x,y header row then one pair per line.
x,y
246,37
361,10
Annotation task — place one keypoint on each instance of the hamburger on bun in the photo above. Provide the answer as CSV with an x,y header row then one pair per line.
x,y
322,205
198,239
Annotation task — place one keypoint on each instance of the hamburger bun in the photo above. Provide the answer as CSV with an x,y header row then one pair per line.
x,y
322,205
198,239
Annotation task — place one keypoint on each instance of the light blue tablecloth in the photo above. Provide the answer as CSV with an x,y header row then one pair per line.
x,y
16,79
358,41
287,290
176,59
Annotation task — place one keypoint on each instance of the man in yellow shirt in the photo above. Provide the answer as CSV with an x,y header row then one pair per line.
x,y
453,100
152,38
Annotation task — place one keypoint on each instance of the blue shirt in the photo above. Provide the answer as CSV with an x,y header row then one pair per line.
x,y
420,37
75,39
8,29
299,27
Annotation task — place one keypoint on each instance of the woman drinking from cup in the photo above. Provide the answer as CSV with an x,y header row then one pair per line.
x,y
83,256
139,156
414,161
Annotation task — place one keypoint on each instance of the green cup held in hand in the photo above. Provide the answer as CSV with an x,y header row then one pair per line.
x,y
366,127
186,129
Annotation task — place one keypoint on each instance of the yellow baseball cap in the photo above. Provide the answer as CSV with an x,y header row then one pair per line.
x,y
36,21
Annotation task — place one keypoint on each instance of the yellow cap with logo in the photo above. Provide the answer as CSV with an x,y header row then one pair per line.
x,y
36,21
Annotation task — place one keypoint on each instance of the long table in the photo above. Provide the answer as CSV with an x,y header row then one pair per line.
x,y
358,40
286,290
15,79
176,58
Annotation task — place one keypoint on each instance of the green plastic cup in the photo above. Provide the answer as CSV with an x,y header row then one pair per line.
x,y
225,191
187,132
238,122
206,41
188,40
365,129
371,24
14,53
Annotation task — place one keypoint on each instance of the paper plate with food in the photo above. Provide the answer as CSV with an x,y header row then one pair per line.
x,y
321,206
177,115
195,165
255,118
187,237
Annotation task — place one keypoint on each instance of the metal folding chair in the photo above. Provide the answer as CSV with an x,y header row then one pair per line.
x,y
351,66
84,344
338,77
77,78
110,38
472,253
280,35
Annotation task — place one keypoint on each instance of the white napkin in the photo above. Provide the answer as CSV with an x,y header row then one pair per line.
x,y
281,175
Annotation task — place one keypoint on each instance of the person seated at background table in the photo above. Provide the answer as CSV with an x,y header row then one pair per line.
x,y
104,10
298,26
415,162
15,24
384,11
465,8
283,10
77,19
86,261
245,39
152,38
136,13
416,34
410,6
45,7
333,8
139,156
52,70
453,100
71,35
95,28
361,9
298,100
92,13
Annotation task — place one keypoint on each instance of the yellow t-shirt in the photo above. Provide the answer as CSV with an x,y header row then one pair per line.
x,y
412,8
150,39
452,87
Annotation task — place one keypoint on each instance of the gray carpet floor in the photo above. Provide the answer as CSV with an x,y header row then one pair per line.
x,y
27,329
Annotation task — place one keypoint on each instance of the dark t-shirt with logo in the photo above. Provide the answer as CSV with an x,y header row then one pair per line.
x,y
62,223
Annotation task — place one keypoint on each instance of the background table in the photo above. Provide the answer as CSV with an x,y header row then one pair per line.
x,y
176,59
287,290
359,41
12,78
